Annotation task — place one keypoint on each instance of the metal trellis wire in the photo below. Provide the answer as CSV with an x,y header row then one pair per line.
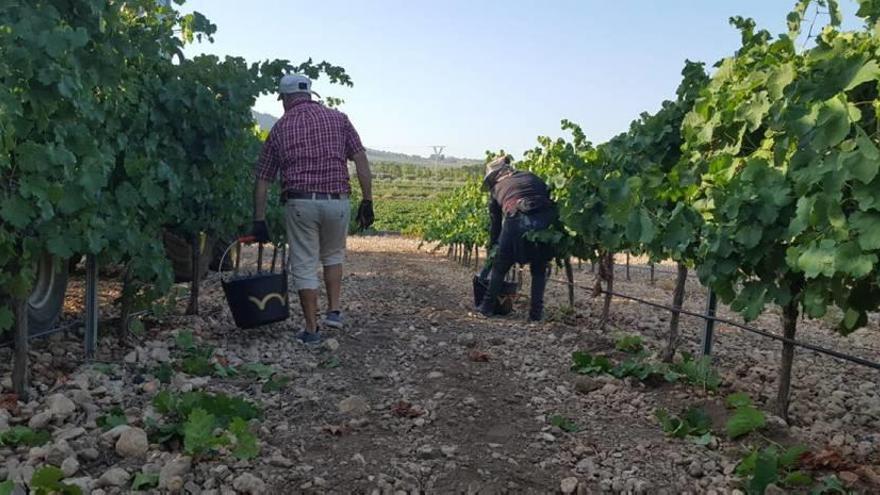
x,y
711,319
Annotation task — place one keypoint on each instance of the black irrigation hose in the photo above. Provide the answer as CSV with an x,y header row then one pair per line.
x,y
81,322
657,269
647,268
758,331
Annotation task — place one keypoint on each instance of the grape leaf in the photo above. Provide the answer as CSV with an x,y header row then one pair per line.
x,y
791,456
275,384
867,225
260,370
7,319
738,399
198,432
797,478
16,211
586,364
851,261
47,479
144,481
744,420
245,442
185,340
114,418
765,472
22,435
564,424
818,259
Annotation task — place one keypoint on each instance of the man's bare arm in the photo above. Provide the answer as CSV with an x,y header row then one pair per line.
x,y
365,178
260,189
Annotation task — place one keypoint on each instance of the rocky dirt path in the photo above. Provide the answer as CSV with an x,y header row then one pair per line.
x,y
482,391
417,395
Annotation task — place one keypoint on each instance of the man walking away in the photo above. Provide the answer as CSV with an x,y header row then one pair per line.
x,y
519,202
309,146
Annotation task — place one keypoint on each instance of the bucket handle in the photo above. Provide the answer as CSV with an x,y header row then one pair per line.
x,y
249,239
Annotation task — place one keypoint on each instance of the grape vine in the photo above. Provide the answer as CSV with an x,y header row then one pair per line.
x,y
763,177
109,135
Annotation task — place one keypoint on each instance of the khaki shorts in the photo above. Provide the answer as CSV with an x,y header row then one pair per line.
x,y
316,232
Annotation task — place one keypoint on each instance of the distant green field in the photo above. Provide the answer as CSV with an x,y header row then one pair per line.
x,y
409,189
404,195
401,215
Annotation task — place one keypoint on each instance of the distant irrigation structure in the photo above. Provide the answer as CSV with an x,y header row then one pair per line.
x,y
438,153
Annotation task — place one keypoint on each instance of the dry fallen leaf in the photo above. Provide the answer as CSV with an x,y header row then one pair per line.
x,y
336,430
404,409
848,478
10,403
825,459
870,474
478,356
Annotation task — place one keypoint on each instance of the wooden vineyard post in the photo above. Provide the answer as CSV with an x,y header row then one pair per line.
x,y
789,328
569,275
677,300
193,308
606,273
652,273
627,267
20,365
709,329
125,303
91,340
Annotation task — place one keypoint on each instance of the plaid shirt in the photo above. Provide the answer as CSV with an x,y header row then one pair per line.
x,y
310,145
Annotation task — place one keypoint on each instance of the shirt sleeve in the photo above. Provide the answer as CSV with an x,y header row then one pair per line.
x,y
495,221
353,144
267,165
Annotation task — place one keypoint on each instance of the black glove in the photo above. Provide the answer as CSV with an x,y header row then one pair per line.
x,y
365,216
260,231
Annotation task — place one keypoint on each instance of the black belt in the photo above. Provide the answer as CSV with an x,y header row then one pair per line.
x,y
304,195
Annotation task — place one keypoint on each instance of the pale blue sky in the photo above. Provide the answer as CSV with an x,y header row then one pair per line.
x,y
488,74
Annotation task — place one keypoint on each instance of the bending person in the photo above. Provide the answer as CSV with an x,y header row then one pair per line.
x,y
519,202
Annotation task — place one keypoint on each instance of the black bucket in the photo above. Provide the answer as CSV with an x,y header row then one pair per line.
x,y
256,299
505,298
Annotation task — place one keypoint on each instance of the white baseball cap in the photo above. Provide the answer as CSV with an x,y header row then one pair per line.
x,y
295,83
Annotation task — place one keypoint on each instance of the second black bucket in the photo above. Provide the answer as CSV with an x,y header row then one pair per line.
x,y
505,299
